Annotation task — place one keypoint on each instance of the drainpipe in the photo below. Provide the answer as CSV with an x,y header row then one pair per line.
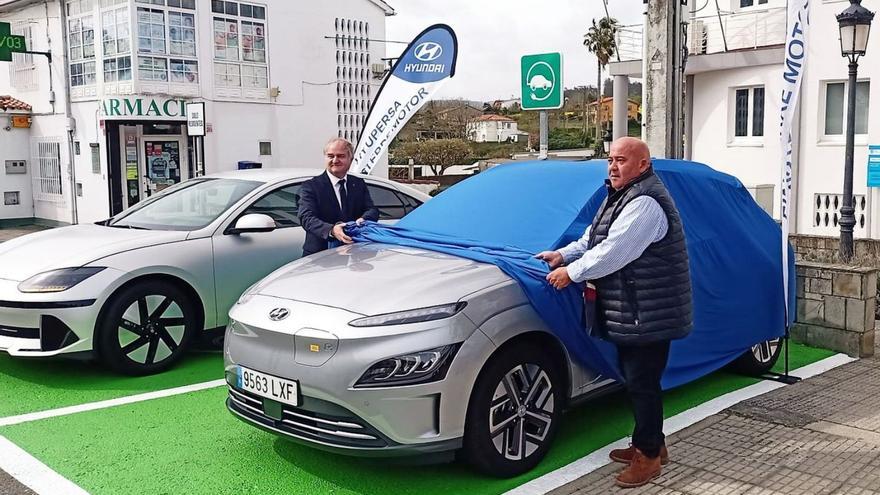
x,y
70,121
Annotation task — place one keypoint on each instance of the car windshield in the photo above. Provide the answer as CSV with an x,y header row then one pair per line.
x,y
188,206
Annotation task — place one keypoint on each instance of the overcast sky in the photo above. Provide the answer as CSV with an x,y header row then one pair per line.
x,y
494,34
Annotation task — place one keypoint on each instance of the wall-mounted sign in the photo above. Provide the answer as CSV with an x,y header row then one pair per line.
x,y
874,165
21,121
146,108
195,119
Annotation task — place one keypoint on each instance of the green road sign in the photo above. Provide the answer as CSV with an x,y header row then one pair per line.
x,y
541,80
9,43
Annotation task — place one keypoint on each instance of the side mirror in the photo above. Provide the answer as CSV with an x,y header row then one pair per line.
x,y
253,222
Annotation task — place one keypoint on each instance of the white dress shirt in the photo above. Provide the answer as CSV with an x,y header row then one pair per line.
x,y
640,223
335,181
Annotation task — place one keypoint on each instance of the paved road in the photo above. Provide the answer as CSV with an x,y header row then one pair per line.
x,y
820,436
7,233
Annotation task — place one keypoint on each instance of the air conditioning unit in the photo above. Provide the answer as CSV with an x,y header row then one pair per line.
x,y
378,70
699,38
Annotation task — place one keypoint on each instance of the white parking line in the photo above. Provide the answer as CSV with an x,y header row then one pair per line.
x,y
599,458
34,474
91,406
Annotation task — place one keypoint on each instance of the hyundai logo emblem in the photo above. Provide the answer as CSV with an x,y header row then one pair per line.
x,y
428,51
278,314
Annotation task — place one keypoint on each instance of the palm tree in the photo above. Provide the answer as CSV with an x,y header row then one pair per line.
x,y
600,40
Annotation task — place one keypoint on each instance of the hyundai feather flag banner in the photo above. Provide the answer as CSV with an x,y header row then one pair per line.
x,y
792,75
425,64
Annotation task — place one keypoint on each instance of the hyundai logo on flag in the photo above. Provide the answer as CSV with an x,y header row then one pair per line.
x,y
430,57
428,51
278,314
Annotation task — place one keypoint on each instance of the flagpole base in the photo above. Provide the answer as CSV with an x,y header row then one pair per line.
x,y
780,377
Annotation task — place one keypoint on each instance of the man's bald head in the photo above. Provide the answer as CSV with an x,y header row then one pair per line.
x,y
628,158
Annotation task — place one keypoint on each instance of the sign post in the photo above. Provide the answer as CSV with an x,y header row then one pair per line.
x,y
10,43
195,127
541,83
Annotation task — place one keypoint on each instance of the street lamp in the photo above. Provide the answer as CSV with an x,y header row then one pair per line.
x,y
855,25
606,141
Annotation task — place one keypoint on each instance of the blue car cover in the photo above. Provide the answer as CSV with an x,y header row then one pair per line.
x,y
507,214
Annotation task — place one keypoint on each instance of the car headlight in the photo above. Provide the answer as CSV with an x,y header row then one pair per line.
x,y
58,280
410,316
410,369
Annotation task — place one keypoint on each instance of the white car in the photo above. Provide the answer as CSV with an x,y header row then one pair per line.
x,y
539,81
138,288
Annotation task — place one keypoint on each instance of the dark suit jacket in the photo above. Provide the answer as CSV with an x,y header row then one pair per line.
x,y
319,211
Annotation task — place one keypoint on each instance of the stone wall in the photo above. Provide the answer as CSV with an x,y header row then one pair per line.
x,y
824,249
836,307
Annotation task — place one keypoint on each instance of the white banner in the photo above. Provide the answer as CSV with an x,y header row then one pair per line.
x,y
792,75
425,64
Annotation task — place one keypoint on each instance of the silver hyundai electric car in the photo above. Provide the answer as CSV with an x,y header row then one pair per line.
x,y
137,288
383,350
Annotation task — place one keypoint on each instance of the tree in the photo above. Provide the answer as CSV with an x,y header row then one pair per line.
x,y
438,154
600,40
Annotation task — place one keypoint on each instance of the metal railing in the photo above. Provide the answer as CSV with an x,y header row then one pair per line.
x,y
716,33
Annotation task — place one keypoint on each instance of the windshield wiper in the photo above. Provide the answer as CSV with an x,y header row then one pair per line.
x,y
116,225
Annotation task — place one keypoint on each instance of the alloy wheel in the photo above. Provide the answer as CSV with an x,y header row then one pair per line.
x,y
521,411
764,351
151,329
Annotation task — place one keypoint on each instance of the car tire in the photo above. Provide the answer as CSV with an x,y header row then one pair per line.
x,y
759,359
146,328
518,396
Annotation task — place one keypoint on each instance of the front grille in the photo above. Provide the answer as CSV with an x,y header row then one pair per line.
x,y
343,431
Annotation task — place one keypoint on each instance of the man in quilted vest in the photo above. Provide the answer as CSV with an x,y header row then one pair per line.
x,y
634,253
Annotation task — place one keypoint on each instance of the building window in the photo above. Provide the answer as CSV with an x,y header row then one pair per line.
x,y
751,3
23,70
265,148
185,71
117,69
748,114
153,69
81,41
176,25
115,41
835,107
240,35
46,157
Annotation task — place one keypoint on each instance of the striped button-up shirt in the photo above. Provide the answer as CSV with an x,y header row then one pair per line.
x,y
640,223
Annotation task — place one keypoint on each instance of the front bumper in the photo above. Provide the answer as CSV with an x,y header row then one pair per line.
x,y
44,325
333,414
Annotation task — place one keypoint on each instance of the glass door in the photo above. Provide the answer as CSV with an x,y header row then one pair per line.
x,y
163,161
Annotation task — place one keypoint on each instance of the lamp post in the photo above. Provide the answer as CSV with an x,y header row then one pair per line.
x,y
606,141
855,25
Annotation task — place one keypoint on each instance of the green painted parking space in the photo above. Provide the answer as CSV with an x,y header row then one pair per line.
x,y
28,385
190,444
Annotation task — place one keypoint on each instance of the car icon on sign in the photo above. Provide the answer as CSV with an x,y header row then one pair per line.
x,y
539,81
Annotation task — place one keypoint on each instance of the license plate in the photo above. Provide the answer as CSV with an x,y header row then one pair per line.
x,y
271,387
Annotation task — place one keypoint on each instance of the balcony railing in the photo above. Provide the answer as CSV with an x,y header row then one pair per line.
x,y
716,33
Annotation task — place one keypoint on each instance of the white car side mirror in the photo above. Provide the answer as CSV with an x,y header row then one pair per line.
x,y
253,222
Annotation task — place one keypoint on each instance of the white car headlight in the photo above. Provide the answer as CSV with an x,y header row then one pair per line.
x,y
409,369
410,316
58,280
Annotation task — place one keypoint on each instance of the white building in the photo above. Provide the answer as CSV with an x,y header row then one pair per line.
x,y
492,129
733,96
278,78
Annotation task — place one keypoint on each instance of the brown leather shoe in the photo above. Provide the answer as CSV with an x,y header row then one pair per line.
x,y
625,456
640,471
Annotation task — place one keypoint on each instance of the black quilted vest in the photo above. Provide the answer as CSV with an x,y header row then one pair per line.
x,y
648,300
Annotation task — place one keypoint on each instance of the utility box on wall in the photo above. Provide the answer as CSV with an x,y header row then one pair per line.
x,y
16,167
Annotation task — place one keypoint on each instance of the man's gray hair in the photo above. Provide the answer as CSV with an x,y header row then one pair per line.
x,y
344,141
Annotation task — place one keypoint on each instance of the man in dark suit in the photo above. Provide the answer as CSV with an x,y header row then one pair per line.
x,y
329,200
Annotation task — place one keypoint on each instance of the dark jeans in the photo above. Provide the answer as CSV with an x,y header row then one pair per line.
x,y
642,367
